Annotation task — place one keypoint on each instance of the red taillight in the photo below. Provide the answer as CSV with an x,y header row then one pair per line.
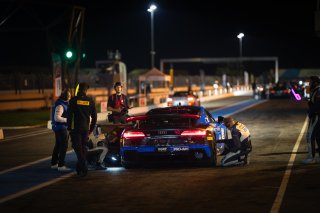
x,y
128,135
194,133
169,101
190,98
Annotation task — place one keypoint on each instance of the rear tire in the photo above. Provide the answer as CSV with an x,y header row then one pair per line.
x,y
213,151
128,165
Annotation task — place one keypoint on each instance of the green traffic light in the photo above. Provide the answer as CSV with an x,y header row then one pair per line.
x,y
69,54
83,55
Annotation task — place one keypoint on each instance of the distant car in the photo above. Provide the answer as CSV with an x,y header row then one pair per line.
x,y
260,91
183,98
280,90
172,133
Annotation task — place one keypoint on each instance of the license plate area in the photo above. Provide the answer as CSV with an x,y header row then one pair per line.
x,y
172,149
180,149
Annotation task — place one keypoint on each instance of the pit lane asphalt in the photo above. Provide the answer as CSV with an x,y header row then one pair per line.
x,y
275,126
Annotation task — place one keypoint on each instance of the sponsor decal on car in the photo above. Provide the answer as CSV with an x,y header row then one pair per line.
x,y
180,149
162,149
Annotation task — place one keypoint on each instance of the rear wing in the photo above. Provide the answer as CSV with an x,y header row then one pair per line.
x,y
144,117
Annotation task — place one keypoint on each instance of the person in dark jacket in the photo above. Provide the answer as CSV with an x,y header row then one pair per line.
x,y
313,133
81,108
238,148
59,126
118,105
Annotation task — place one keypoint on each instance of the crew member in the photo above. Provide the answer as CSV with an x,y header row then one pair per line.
x,y
81,108
118,105
59,126
238,148
97,150
313,133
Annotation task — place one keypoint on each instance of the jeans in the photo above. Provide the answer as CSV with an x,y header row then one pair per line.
x,y
60,147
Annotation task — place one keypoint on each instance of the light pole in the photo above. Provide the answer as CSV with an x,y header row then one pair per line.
x,y
151,9
240,36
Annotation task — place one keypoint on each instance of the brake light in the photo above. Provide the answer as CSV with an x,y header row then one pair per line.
x,y
169,101
190,98
194,133
128,135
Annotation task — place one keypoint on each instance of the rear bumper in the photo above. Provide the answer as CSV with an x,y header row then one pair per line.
x,y
151,153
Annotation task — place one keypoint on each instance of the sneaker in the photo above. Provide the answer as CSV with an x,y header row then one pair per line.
x,y
100,166
55,166
64,169
309,161
91,167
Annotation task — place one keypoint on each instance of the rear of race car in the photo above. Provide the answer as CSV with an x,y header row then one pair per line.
x,y
167,138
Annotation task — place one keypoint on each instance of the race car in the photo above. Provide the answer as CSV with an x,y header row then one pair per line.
x,y
172,133
183,98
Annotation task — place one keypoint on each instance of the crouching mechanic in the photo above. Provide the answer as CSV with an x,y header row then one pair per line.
x,y
237,149
97,150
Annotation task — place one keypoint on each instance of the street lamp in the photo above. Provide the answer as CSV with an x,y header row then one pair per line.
x,y
240,36
151,9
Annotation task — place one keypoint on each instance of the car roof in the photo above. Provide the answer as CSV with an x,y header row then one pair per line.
x,y
175,110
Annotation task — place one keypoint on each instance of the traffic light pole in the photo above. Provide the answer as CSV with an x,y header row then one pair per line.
x,y
75,39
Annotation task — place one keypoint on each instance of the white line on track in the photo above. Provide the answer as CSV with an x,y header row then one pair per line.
x,y
282,189
28,164
29,134
42,185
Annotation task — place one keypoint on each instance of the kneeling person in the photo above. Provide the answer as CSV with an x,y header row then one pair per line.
x,y
238,148
97,152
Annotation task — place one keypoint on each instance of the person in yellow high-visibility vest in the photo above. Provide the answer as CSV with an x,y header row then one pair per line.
x,y
81,108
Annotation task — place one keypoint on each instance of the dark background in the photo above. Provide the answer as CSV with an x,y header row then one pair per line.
x,y
30,30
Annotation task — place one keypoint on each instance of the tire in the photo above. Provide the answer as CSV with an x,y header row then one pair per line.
x,y
213,151
128,165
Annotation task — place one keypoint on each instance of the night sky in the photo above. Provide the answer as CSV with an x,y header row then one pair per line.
x,y
30,30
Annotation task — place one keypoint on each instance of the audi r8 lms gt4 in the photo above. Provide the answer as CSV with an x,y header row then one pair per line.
x,y
172,133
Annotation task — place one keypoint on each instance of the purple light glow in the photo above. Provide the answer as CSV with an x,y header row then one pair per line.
x,y
296,96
